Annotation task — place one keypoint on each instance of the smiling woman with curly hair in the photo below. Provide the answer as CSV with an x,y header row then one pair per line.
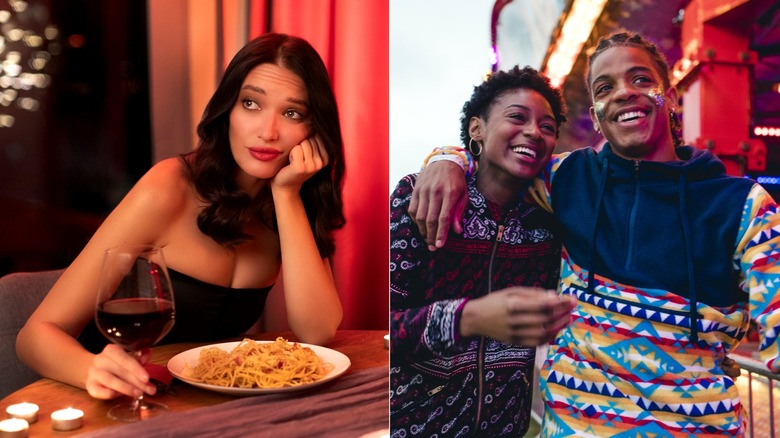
x,y
465,320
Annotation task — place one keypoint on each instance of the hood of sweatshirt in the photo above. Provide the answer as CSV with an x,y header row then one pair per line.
x,y
694,164
652,224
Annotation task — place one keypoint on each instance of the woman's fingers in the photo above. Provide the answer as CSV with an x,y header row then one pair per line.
x,y
297,156
536,316
144,356
520,315
105,385
319,153
115,372
307,149
313,154
529,335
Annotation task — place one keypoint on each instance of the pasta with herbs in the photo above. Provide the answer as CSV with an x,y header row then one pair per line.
x,y
259,365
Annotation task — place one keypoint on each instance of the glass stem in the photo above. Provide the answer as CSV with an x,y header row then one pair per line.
x,y
138,402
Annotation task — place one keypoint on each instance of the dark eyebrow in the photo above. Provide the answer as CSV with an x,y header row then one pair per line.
x,y
641,69
298,101
632,70
525,108
517,105
259,90
253,88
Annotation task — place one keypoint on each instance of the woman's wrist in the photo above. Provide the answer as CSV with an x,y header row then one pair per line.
x,y
466,321
281,194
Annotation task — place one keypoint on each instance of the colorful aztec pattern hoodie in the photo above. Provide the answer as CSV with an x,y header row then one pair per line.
x,y
669,262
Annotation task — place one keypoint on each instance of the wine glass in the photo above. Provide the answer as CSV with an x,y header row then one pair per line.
x,y
134,309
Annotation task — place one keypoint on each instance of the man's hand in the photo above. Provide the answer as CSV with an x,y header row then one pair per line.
x,y
438,202
730,367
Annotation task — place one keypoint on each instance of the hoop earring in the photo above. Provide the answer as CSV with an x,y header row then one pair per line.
x,y
471,149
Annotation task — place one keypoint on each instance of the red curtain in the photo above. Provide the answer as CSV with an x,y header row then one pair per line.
x,y
352,37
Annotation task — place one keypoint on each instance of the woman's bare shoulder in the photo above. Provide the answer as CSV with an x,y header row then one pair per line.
x,y
167,179
164,189
166,172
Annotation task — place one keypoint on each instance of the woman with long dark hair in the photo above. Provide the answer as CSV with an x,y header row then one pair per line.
x,y
259,196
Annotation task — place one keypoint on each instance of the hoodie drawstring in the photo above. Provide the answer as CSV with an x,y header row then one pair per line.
x,y
688,247
694,313
594,231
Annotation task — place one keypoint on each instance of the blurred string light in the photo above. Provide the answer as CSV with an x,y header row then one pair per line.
x,y
24,55
766,131
575,31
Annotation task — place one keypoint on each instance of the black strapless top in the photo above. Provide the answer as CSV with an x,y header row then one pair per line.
x,y
204,313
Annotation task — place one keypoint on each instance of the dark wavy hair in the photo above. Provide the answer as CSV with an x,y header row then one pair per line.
x,y
632,39
211,167
486,93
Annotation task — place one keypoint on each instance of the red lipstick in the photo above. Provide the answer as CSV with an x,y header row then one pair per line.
x,y
264,154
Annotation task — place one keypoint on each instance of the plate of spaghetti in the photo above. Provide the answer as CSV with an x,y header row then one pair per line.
x,y
253,367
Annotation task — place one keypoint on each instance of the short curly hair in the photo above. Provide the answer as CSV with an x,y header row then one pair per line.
x,y
486,93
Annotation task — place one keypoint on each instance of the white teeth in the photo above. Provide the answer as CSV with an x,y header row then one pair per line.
x,y
630,115
524,151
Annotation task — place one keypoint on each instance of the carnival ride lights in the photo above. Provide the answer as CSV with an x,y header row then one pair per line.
x,y
575,31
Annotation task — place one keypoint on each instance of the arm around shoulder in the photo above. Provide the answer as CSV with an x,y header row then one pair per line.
x,y
440,196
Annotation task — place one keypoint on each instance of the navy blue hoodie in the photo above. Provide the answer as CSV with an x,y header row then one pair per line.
x,y
639,222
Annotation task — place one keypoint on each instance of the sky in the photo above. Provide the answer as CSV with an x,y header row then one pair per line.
x,y
440,50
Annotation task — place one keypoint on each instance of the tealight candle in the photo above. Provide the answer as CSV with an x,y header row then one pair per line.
x,y
24,411
67,419
14,428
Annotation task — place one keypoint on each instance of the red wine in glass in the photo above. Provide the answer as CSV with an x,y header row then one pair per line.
x,y
135,323
135,309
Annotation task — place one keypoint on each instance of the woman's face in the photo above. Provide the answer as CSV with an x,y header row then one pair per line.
x,y
519,134
630,104
270,116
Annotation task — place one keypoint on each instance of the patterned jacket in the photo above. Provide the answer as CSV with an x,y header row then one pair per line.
x,y
442,384
669,263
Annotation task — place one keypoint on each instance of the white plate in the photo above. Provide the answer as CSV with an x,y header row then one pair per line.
x,y
190,357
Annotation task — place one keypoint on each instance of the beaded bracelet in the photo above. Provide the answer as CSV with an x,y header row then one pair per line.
x,y
466,161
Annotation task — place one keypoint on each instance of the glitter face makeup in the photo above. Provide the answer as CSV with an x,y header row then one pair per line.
x,y
657,96
598,109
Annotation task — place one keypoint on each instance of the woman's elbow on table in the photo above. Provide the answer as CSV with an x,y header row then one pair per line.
x,y
318,334
23,346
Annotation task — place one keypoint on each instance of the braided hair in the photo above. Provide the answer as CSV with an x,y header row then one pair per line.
x,y
625,38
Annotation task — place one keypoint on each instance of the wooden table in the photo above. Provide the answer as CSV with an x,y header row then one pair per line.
x,y
365,350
